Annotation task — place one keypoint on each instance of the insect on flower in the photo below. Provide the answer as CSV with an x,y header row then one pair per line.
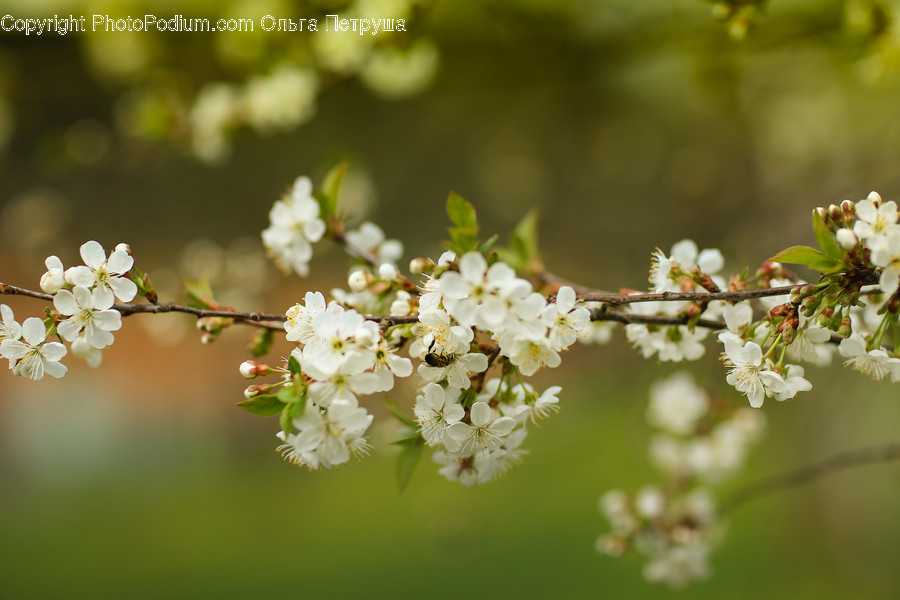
x,y
432,359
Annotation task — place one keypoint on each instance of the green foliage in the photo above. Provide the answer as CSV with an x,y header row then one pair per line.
x,y
464,235
200,293
408,459
292,409
400,413
261,343
522,252
327,194
263,406
825,238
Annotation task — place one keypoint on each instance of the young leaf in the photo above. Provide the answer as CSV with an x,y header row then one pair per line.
x,y
407,461
294,366
825,238
200,293
799,255
261,343
331,187
400,413
461,212
263,406
291,411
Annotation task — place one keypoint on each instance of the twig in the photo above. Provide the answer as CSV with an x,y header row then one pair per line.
x,y
617,299
789,479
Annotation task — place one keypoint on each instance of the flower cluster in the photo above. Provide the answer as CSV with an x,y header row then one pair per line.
x,y
701,442
685,269
83,297
294,225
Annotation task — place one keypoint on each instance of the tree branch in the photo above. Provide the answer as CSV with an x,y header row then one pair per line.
x,y
617,299
274,320
789,479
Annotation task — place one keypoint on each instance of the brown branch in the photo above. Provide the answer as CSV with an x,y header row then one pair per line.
x,y
617,299
789,479
273,320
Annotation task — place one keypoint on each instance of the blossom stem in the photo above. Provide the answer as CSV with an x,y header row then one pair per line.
x,y
789,479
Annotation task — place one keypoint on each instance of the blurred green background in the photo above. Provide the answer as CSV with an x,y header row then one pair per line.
x,y
629,125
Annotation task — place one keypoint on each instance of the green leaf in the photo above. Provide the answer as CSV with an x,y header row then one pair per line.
x,y
289,413
799,255
331,187
287,395
199,292
399,412
825,238
263,406
461,212
407,461
827,265
261,343
524,237
486,247
294,366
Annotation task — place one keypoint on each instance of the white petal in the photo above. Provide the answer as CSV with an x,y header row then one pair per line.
x,y
33,331
92,254
120,262
65,303
124,289
80,275
53,351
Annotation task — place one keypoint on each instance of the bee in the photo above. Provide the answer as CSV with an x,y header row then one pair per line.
x,y
438,360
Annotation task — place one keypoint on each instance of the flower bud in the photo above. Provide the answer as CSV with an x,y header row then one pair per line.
x,y
256,390
251,369
417,266
782,310
825,316
874,197
124,248
387,272
846,328
846,238
849,210
357,281
835,214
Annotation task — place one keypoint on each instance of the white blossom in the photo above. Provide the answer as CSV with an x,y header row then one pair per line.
x,y
294,225
299,324
107,277
875,223
677,404
54,279
746,371
327,437
875,363
566,322
370,239
31,356
484,432
436,409
89,313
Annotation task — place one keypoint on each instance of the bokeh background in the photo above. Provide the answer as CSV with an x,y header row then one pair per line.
x,y
628,125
